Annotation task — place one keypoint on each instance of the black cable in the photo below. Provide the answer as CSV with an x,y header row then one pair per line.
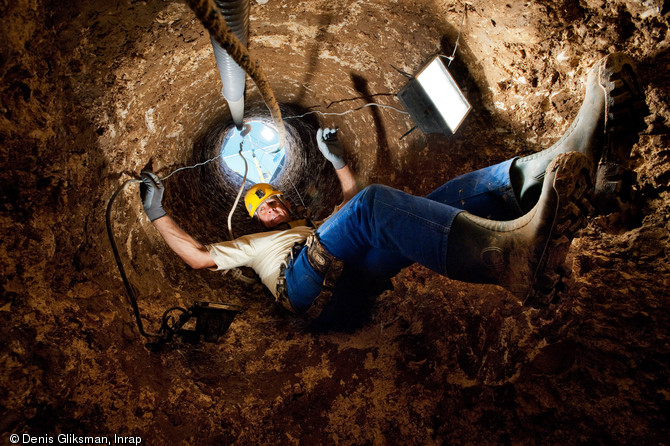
x,y
170,326
407,133
119,264
407,75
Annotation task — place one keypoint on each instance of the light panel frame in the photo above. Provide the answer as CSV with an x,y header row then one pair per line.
x,y
444,93
434,100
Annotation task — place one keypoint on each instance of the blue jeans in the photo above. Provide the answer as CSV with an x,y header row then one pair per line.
x,y
382,230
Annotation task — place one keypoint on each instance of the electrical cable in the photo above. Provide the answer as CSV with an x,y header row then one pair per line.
x,y
458,38
193,166
296,191
170,326
245,132
407,75
119,264
291,117
348,111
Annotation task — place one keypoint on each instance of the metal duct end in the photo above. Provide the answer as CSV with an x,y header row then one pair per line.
x,y
237,111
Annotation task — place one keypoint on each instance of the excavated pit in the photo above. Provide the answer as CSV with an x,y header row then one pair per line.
x,y
94,92
201,198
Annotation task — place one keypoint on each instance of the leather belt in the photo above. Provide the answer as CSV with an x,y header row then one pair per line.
x,y
323,263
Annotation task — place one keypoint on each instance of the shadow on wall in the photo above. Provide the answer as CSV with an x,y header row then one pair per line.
x,y
319,39
389,155
434,158
383,147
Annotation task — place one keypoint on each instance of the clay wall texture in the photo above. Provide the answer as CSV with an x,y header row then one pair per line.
x,y
93,92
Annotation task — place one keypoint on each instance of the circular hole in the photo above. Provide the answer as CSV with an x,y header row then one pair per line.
x,y
200,199
254,153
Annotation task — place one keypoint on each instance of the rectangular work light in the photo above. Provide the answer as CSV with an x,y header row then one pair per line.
x,y
433,99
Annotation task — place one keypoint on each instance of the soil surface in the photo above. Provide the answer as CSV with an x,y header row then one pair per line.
x,y
93,92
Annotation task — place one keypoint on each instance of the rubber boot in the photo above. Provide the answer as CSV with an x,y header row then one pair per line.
x,y
605,129
526,255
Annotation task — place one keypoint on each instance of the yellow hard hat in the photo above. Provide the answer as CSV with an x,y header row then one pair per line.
x,y
257,194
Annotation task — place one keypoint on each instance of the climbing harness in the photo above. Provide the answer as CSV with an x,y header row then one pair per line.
x,y
324,263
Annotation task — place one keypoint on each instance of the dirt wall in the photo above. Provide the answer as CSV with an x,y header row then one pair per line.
x,y
94,92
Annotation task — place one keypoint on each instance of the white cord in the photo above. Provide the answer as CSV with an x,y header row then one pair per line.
x,y
247,128
289,117
193,166
348,111
453,54
296,191
236,272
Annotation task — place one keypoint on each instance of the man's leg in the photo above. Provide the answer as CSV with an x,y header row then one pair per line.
x,y
605,129
377,233
526,255
303,283
382,230
486,192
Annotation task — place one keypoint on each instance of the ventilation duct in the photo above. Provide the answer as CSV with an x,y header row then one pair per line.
x,y
233,77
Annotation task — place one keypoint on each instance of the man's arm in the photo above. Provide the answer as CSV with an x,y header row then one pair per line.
x,y
190,250
348,183
332,150
185,246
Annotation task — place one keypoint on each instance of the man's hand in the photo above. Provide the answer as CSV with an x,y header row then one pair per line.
x,y
151,193
331,147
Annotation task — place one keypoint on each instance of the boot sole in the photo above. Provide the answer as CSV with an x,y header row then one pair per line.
x,y
625,99
572,184
626,109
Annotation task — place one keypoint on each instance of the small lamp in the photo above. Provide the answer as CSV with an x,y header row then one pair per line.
x,y
433,99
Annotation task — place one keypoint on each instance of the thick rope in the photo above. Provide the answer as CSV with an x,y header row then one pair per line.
x,y
212,19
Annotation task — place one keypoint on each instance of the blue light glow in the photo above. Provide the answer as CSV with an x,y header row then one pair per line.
x,y
261,150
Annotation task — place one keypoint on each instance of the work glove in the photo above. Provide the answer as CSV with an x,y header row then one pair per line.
x,y
151,193
331,147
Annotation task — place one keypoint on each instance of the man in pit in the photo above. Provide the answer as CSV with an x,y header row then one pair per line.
x,y
509,224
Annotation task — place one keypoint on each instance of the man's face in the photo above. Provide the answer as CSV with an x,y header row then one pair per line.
x,y
272,212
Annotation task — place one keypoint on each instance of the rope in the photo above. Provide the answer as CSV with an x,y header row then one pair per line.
x,y
211,18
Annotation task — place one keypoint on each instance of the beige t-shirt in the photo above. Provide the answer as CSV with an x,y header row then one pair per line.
x,y
264,252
